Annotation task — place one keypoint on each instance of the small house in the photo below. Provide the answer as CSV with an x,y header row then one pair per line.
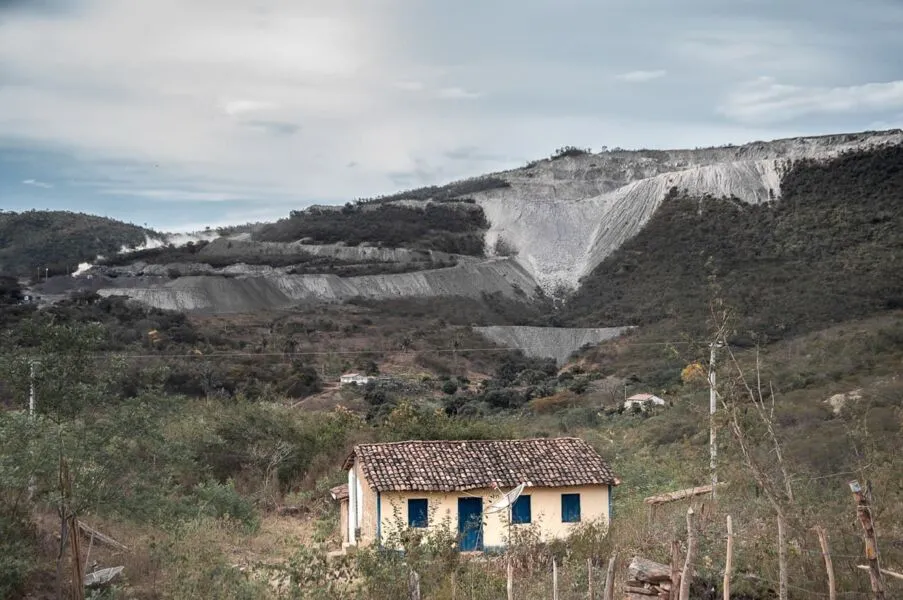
x,y
355,378
643,401
426,484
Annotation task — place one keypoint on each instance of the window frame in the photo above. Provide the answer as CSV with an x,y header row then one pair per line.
x,y
568,503
424,521
516,518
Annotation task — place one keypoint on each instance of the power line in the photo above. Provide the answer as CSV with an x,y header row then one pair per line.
x,y
433,350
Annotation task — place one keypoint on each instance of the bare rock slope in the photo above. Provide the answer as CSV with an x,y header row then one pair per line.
x,y
556,220
562,217
552,342
246,289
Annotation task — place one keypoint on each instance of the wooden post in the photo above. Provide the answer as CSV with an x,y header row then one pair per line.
x,y
864,513
509,585
609,592
414,585
782,558
729,560
454,585
589,578
687,575
554,579
829,564
675,569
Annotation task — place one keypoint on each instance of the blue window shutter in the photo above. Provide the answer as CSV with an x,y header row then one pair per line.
x,y
570,508
418,513
520,511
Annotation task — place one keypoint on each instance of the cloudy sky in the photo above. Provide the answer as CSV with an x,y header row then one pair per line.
x,y
186,113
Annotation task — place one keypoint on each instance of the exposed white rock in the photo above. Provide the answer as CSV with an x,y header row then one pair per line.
x,y
563,217
270,288
838,402
549,342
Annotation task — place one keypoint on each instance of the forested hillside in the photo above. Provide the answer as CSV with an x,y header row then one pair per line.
x,y
59,240
830,249
455,228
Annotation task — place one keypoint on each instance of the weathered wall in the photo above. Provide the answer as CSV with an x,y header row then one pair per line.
x,y
545,509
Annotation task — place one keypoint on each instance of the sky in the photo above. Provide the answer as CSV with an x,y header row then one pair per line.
x,y
182,114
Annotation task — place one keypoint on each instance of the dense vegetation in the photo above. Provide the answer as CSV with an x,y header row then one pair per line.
x,y
59,240
452,192
828,250
456,228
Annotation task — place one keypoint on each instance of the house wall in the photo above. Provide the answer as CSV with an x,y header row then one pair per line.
x,y
343,520
369,523
545,505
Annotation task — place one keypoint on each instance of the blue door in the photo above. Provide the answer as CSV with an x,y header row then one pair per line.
x,y
470,524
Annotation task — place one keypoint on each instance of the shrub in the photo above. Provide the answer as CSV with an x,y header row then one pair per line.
x,y
222,500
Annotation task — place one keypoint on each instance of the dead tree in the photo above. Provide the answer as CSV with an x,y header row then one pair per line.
x,y
777,490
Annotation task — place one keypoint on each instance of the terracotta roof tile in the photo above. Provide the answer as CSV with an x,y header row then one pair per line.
x,y
465,465
339,492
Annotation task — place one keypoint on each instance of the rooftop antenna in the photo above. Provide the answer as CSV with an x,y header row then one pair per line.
x,y
507,502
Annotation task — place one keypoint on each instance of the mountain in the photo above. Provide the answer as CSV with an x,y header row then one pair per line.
x,y
831,249
525,234
55,242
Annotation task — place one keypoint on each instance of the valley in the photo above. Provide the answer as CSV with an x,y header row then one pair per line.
x,y
192,382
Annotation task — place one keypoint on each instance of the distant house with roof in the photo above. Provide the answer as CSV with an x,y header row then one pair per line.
x,y
355,378
453,483
643,401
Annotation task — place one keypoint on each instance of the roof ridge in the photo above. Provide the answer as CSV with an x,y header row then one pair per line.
x,y
460,441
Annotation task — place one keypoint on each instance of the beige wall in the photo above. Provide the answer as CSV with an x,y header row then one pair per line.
x,y
368,522
343,520
545,504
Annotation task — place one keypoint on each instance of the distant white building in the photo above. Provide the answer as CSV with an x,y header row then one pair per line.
x,y
643,401
355,378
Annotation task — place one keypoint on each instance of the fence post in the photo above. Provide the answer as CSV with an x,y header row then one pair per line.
x,y
609,592
554,579
687,574
729,560
589,578
864,513
414,585
675,570
829,564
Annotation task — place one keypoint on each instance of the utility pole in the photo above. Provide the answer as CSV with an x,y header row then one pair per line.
x,y
31,417
31,398
713,445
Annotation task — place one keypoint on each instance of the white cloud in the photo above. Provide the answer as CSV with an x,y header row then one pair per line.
x,y
264,107
765,100
456,93
410,86
235,108
175,195
37,183
641,76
